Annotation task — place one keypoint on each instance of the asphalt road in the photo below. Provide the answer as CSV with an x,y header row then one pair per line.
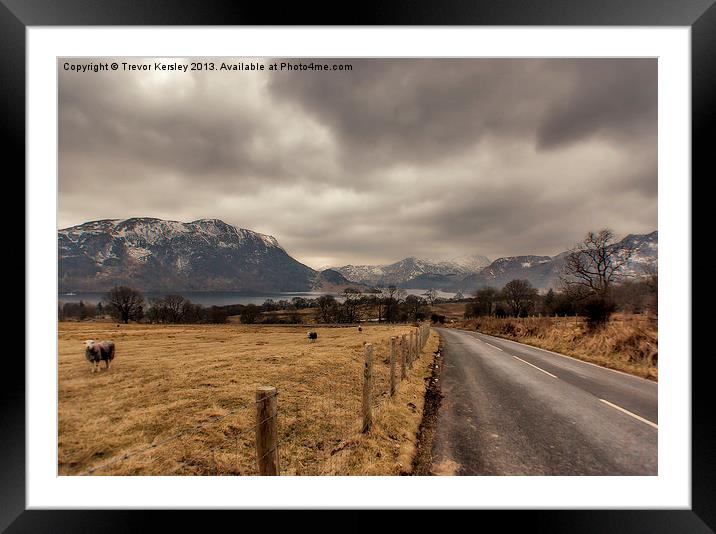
x,y
512,409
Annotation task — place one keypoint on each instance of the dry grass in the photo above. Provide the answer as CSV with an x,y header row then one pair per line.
x,y
171,379
453,311
390,447
628,342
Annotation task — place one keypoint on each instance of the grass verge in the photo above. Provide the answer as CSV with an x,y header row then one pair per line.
x,y
626,343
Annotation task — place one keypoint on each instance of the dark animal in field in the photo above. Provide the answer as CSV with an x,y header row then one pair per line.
x,y
97,351
312,336
360,329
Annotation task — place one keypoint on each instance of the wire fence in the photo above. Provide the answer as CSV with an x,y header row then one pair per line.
x,y
313,419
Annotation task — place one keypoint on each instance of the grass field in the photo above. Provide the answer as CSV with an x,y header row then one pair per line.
x,y
179,400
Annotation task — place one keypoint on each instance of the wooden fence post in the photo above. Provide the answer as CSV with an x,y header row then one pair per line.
x,y
410,350
392,366
367,387
267,431
401,345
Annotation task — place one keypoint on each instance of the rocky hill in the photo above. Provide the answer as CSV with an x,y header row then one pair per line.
x,y
155,254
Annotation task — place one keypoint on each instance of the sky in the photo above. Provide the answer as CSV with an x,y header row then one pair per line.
x,y
433,158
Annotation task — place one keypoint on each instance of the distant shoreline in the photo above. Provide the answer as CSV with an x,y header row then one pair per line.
x,y
218,298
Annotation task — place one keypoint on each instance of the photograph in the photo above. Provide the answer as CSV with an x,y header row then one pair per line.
x,y
357,266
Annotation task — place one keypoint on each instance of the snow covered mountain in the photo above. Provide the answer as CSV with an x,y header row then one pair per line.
x,y
467,273
539,270
208,254
470,263
408,269
543,271
154,254
646,252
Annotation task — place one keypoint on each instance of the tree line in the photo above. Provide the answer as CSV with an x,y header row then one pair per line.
x,y
592,284
124,304
390,304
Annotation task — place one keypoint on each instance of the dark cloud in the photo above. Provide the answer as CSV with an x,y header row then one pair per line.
x,y
397,157
614,98
388,111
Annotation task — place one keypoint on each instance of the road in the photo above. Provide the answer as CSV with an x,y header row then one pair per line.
x,y
512,409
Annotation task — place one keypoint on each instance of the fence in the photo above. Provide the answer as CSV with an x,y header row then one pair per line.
x,y
289,428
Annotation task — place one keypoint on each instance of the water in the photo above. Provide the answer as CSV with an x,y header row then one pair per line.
x,y
223,298
439,293
205,298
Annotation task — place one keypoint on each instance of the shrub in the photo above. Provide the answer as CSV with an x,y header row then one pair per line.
x,y
597,311
509,328
250,314
436,318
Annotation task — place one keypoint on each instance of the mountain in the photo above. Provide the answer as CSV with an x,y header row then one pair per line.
x,y
543,271
154,254
412,270
539,270
332,281
467,273
646,252
208,254
469,263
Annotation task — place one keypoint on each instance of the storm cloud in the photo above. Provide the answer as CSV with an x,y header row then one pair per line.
x,y
396,157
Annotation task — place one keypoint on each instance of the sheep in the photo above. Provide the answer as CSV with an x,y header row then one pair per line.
x,y
96,351
312,336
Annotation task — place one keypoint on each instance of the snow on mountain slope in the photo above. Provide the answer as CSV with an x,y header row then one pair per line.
x,y
411,268
156,254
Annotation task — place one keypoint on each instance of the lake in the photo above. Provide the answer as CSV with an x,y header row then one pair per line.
x,y
221,298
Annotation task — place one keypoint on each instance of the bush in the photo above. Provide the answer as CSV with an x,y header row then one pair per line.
x,y
250,314
216,315
597,311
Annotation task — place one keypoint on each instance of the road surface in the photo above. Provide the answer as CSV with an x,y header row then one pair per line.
x,y
512,409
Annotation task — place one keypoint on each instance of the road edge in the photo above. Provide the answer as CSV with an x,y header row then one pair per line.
x,y
422,463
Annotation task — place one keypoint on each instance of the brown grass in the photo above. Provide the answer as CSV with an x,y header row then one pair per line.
x,y
201,379
454,311
627,343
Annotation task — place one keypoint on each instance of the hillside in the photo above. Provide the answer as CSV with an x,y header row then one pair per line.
x,y
541,271
155,254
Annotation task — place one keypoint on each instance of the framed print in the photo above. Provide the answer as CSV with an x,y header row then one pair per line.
x,y
407,263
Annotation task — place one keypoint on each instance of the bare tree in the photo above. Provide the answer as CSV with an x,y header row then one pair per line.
x,y
430,295
351,300
377,302
595,264
124,304
168,309
483,303
392,296
326,308
520,296
413,305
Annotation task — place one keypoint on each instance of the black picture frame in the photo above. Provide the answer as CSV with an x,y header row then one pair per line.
x,y
699,15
